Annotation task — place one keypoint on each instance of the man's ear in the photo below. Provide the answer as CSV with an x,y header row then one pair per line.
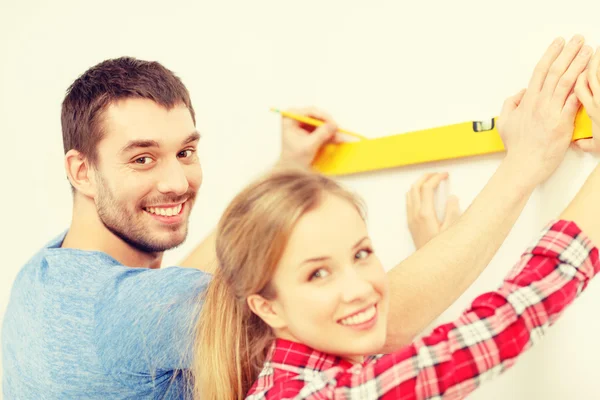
x,y
80,173
267,311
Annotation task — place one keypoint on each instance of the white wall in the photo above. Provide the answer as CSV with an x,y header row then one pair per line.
x,y
379,67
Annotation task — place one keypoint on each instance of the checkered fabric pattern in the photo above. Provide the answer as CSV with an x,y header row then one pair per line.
x,y
456,357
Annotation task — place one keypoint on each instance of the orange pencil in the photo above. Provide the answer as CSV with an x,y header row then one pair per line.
x,y
314,122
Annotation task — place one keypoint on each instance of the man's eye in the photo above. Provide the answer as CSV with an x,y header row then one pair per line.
x,y
186,153
143,160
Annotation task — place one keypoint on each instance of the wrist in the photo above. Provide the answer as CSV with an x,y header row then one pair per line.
x,y
520,173
288,162
294,159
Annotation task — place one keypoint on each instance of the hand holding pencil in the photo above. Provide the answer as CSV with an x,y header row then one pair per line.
x,y
303,132
313,122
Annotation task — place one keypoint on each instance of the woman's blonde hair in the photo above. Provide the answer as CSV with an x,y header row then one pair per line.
x,y
231,341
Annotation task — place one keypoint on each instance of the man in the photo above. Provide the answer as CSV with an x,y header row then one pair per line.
x,y
93,316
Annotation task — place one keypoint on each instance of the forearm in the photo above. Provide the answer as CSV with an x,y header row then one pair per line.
x,y
584,209
500,325
430,280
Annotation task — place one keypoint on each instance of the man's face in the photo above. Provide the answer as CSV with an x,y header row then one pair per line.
x,y
148,173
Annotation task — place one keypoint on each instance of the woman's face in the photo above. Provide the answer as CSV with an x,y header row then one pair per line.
x,y
331,289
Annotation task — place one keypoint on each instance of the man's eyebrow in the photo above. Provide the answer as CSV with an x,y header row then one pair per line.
x,y
143,144
135,144
194,136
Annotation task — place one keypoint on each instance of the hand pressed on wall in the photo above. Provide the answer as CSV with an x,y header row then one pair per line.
x,y
423,221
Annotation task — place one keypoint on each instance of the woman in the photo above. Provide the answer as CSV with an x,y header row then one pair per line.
x,y
298,306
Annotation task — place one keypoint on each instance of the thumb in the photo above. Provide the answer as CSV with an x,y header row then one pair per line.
x,y
452,212
587,145
572,105
512,102
324,133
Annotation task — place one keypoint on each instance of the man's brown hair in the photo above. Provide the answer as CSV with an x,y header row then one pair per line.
x,y
110,81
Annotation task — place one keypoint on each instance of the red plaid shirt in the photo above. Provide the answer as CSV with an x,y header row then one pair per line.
x,y
456,357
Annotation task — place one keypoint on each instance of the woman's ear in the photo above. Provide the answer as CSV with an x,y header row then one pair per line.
x,y
267,310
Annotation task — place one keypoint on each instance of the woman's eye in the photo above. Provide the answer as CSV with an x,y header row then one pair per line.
x,y
363,253
320,273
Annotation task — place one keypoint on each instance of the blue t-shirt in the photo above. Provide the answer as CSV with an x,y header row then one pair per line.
x,y
79,325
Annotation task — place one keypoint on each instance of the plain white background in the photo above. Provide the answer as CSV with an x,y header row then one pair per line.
x,y
380,67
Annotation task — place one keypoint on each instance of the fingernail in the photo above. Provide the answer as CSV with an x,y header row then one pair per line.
x,y
586,51
558,41
577,39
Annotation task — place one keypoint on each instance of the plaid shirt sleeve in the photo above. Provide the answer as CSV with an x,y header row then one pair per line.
x,y
483,342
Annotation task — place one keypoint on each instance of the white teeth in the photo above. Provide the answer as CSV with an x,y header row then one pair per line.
x,y
167,212
360,318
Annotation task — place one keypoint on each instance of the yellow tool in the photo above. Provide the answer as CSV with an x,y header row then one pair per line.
x,y
435,144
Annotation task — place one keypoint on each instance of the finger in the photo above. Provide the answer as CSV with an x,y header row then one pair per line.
x,y
324,134
292,125
509,105
517,98
428,192
311,112
541,69
565,84
587,145
582,90
339,138
561,64
409,206
452,212
570,110
593,76
415,190
512,102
